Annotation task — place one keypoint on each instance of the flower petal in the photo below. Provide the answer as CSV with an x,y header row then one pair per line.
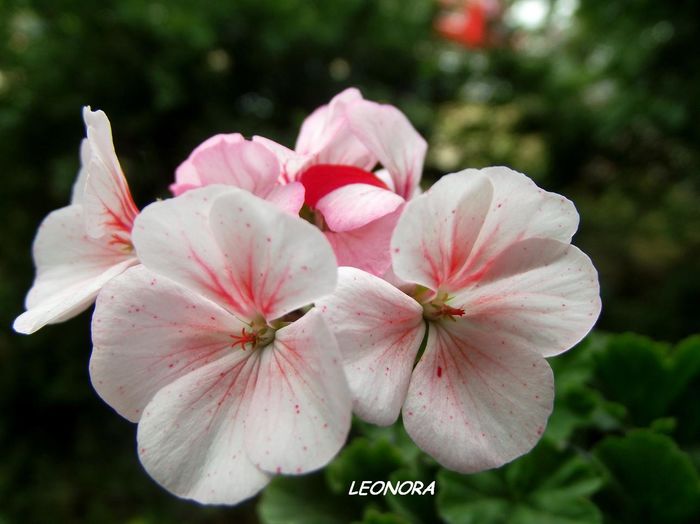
x,y
435,234
366,247
275,261
291,162
539,293
473,403
109,207
236,162
173,238
71,269
379,330
191,435
171,332
300,413
388,134
341,211
289,197
78,190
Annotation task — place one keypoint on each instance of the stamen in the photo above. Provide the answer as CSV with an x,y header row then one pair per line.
x,y
244,338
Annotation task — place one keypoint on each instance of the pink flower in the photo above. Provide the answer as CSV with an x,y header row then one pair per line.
x,y
80,247
232,160
229,380
498,287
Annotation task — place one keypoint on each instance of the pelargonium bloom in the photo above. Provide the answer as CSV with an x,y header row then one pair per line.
x,y
80,247
498,287
335,157
230,377
235,161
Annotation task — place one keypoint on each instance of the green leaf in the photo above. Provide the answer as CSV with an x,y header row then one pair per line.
x,y
301,500
414,508
373,516
651,479
544,487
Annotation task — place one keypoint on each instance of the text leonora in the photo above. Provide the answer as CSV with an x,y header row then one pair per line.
x,y
380,487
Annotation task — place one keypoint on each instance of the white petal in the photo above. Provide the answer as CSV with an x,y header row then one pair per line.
x,y
379,330
437,230
275,261
473,403
300,413
539,293
191,435
174,238
109,207
77,193
171,332
71,269
356,205
388,134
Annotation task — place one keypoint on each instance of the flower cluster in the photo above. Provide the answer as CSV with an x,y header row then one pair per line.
x,y
225,327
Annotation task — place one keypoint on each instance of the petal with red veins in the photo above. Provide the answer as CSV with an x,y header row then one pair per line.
x,y
379,330
238,163
171,332
173,238
341,211
191,435
437,230
366,247
275,261
71,269
474,403
539,293
109,207
289,197
388,134
519,210
300,413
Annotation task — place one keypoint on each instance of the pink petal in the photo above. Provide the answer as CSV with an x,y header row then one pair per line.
x,y
388,134
473,403
367,247
109,207
173,238
78,191
291,162
356,205
289,198
186,174
519,210
171,332
71,269
326,136
539,293
191,434
437,230
236,162
379,330
299,416
275,261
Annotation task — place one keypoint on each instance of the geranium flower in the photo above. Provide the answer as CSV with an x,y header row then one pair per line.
x,y
80,247
229,380
498,288
235,161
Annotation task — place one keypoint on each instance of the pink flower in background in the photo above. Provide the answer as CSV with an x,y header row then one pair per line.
x,y
80,247
230,378
234,161
498,287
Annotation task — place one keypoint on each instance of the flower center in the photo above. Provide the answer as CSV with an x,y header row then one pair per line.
x,y
321,179
257,336
438,308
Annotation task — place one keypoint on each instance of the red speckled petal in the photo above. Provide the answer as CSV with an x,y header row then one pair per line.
x,y
379,330
171,332
191,435
474,403
109,207
300,413
273,260
539,293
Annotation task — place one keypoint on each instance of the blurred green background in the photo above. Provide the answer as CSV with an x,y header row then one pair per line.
x,y
596,99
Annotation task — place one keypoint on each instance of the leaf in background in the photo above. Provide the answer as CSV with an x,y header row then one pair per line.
x,y
373,516
652,480
416,509
686,408
544,487
301,500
